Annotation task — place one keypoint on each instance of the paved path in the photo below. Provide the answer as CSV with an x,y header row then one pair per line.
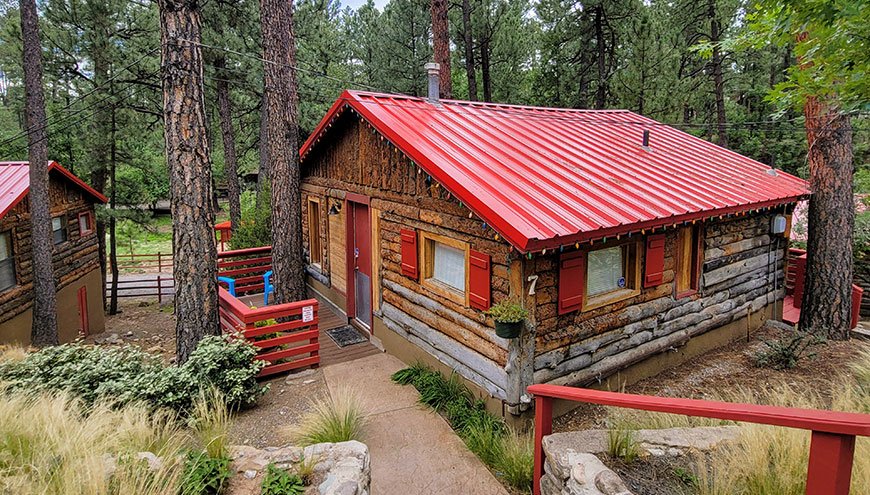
x,y
413,450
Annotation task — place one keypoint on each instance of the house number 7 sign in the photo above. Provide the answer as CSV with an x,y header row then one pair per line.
x,y
307,314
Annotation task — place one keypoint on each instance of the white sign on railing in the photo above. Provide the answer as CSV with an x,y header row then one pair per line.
x,y
307,314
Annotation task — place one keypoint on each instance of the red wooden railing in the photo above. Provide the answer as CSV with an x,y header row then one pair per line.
x,y
246,266
832,446
292,341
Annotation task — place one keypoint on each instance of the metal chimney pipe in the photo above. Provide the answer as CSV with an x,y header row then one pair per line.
x,y
646,139
433,71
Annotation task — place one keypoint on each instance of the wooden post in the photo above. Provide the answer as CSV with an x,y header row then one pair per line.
x,y
830,466
543,427
159,292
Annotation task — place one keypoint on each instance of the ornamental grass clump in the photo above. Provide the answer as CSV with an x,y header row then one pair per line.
x,y
338,419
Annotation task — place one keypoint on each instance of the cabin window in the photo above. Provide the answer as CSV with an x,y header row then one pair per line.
x,y
58,229
7,261
612,274
86,223
315,250
688,261
445,266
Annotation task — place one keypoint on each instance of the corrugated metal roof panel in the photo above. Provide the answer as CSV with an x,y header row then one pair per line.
x,y
15,182
545,177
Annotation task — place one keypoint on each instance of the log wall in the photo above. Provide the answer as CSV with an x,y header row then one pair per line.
x,y
72,259
357,160
741,264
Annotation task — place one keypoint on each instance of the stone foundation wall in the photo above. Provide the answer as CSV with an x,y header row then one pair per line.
x,y
742,264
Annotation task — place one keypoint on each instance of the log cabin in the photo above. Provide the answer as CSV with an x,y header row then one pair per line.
x,y
633,245
76,259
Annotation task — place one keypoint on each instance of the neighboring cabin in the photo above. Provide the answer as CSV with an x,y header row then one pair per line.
x,y
76,254
633,245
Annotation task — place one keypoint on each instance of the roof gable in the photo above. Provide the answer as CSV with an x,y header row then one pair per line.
x,y
546,177
15,183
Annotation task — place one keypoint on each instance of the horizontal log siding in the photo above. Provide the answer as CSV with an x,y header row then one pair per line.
x,y
71,259
357,161
737,274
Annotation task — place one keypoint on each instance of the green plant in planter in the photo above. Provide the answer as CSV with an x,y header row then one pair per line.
x,y
509,317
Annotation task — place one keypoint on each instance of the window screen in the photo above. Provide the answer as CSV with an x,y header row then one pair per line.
x,y
58,229
85,223
449,266
605,271
7,262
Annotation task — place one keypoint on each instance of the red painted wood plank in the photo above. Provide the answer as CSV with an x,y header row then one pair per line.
x,y
543,427
841,423
284,353
262,260
235,253
830,466
284,339
292,365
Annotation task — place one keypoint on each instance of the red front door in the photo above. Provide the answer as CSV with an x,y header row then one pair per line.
x,y
360,263
84,327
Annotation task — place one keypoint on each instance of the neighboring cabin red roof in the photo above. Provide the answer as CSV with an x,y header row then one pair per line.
x,y
15,182
547,177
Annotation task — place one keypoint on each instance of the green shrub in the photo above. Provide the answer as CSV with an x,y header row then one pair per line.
x,y
621,444
255,229
785,351
204,475
127,375
280,482
861,237
507,312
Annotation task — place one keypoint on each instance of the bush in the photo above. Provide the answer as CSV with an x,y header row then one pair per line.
x,y
338,419
255,229
507,312
127,375
508,453
280,482
785,352
204,475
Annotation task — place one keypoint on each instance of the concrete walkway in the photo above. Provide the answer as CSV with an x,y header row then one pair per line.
x,y
413,450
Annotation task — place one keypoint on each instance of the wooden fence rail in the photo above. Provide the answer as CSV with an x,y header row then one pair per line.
x,y
158,286
133,261
832,445
287,334
246,267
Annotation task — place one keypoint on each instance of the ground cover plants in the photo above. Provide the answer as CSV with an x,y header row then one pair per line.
x,y
507,452
340,418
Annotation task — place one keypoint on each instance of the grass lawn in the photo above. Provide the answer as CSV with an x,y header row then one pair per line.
x,y
152,237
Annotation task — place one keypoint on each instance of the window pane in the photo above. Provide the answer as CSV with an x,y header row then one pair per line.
x,y
58,227
604,271
7,273
84,223
449,266
56,224
5,246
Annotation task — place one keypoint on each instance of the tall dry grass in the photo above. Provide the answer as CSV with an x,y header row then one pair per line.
x,y
769,460
49,446
339,418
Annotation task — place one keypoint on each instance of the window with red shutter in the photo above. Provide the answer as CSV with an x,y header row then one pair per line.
x,y
572,281
409,253
478,280
654,260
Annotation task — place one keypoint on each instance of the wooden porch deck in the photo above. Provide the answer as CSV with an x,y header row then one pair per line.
x,y
330,317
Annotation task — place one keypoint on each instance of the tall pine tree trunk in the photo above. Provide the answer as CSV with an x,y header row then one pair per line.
x,y
718,78
193,243
113,239
441,45
485,76
601,52
279,52
265,161
44,329
827,303
228,135
470,70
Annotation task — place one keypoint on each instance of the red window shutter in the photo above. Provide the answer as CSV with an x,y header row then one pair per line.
x,y
655,260
478,280
572,281
409,252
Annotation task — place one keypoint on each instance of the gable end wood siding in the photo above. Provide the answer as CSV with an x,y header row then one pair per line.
x,y
72,259
357,161
737,275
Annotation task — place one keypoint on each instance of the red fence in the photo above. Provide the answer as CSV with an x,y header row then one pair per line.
x,y
831,449
285,333
246,266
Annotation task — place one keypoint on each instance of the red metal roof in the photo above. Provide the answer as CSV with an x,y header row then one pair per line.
x,y
15,182
548,177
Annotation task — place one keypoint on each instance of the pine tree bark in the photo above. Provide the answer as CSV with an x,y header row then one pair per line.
x,y
44,328
265,162
279,52
228,135
601,52
485,76
193,243
113,203
99,54
470,70
441,45
718,78
826,308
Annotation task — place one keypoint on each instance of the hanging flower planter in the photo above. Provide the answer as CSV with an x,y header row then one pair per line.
x,y
509,318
